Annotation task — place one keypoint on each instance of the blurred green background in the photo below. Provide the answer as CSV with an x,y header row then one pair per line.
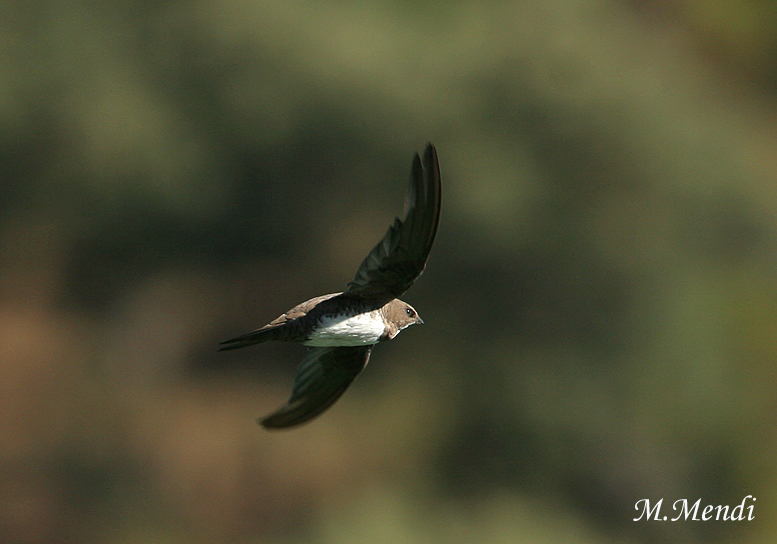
x,y
600,302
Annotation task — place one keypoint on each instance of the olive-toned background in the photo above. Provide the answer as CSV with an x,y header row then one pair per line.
x,y
601,301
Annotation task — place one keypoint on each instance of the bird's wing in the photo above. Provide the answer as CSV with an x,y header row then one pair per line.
x,y
323,375
396,262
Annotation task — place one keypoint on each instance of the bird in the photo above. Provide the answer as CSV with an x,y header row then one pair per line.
x,y
340,329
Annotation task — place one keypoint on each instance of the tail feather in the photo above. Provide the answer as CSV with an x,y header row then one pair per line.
x,y
261,335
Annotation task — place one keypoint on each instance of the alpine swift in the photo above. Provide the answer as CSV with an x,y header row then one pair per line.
x,y
342,328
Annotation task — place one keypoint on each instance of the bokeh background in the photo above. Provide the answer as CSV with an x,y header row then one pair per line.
x,y
600,302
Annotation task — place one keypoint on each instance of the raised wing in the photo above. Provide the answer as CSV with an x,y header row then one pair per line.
x,y
323,375
396,262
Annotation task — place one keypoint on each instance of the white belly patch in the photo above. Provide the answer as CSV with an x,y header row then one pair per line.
x,y
342,330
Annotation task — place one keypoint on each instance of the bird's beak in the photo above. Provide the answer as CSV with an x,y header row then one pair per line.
x,y
420,321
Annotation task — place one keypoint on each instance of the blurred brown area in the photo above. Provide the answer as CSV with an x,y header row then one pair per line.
x,y
601,302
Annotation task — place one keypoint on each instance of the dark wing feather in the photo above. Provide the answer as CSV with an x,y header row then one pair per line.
x,y
323,375
396,262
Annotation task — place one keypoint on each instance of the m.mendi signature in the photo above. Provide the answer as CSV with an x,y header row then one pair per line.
x,y
708,513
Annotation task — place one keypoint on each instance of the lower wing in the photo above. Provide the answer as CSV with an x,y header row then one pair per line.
x,y
323,375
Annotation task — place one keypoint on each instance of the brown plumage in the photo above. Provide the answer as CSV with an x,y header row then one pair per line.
x,y
341,328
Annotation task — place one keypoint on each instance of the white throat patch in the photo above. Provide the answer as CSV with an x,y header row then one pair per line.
x,y
343,330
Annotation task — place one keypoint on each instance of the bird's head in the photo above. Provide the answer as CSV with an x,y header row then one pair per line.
x,y
399,315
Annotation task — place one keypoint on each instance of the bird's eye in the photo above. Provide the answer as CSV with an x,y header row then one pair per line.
x,y
410,312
